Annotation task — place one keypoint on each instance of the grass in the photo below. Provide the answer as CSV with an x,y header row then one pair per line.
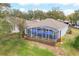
x,y
15,46
69,40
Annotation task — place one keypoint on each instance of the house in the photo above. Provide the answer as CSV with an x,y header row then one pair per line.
x,y
46,29
66,22
77,24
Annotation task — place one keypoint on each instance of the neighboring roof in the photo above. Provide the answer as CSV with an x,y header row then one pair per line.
x,y
46,22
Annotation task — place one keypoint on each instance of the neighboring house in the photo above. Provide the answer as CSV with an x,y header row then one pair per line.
x,y
66,22
77,24
46,29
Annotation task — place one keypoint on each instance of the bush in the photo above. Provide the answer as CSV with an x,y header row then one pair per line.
x,y
76,43
69,31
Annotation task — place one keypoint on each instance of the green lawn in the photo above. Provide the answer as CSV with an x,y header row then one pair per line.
x,y
15,46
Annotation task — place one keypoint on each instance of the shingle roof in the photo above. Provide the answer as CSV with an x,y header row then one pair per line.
x,y
47,22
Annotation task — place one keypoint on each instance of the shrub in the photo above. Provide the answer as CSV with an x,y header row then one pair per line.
x,y
76,43
69,31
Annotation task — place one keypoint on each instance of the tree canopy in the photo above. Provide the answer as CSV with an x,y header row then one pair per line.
x,y
4,5
74,17
56,14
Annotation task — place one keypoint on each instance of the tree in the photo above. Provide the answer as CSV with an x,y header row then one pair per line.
x,y
16,13
56,14
5,27
4,5
70,18
19,22
30,15
21,25
38,14
74,17
15,18
4,9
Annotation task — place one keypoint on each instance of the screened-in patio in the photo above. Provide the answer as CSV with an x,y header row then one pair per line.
x,y
48,29
42,33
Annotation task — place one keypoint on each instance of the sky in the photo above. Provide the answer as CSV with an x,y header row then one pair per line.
x,y
68,6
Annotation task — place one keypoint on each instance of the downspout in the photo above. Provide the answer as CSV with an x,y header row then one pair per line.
x,y
60,36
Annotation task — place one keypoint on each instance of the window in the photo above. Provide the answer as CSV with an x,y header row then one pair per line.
x,y
50,36
28,32
41,33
